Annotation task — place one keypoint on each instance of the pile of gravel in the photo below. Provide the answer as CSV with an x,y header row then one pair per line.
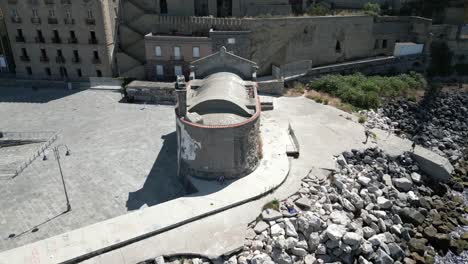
x,y
374,209
177,260
439,123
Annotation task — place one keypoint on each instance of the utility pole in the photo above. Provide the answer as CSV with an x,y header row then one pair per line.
x,y
57,157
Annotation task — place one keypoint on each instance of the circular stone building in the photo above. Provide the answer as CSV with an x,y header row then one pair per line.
x,y
218,119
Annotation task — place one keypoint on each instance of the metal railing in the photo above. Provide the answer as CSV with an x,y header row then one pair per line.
x,y
48,137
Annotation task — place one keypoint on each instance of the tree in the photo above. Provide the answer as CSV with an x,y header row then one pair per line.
x,y
372,9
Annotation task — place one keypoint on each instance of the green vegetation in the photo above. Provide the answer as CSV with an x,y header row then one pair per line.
x,y
274,204
367,92
318,10
362,119
372,9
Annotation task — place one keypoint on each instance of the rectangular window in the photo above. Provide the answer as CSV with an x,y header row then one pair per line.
x,y
90,13
376,44
159,70
98,73
69,14
51,13
176,52
384,44
177,70
48,71
79,73
231,41
196,52
157,51
14,13
29,70
34,12
24,52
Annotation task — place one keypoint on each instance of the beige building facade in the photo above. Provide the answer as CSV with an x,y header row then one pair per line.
x,y
61,39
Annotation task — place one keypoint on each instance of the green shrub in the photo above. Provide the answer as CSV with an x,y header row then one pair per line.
x,y
362,119
372,9
325,101
366,92
274,204
318,10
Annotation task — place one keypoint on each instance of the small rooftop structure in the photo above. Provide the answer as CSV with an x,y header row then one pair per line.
x,y
218,118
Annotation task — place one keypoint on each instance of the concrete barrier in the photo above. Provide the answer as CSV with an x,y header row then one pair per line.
x,y
434,165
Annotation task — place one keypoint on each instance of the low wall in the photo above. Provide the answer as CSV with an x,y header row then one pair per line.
x,y
274,86
384,65
154,92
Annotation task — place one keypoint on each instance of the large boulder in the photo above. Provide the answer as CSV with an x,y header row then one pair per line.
x,y
435,166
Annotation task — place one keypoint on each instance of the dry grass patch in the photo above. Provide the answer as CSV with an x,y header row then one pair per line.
x,y
327,99
297,89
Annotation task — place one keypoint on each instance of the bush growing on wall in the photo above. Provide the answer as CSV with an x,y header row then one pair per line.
x,y
372,9
367,92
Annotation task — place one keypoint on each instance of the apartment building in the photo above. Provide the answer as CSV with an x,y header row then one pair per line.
x,y
61,39
6,58
168,56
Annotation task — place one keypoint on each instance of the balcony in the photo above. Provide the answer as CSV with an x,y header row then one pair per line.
x,y
56,40
76,59
36,20
39,39
72,41
12,2
90,21
96,60
16,19
177,58
68,2
93,41
20,39
24,58
52,20
49,2
44,59
60,59
69,21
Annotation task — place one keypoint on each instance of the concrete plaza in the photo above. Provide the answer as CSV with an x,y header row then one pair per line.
x,y
123,158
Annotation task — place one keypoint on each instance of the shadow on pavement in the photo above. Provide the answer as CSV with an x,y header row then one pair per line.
x,y
162,183
30,95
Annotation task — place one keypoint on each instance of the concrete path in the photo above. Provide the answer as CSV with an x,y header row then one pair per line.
x,y
97,238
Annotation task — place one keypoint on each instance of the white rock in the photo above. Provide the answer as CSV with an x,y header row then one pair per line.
x,y
402,184
271,215
339,217
159,260
321,249
300,252
368,232
256,245
260,227
412,197
303,203
260,258
335,232
276,230
362,260
231,260
416,177
387,179
302,244
366,248
289,228
352,238
309,259
378,239
347,205
364,181
396,229
291,242
384,203
314,241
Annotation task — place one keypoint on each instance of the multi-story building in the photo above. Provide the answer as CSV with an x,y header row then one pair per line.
x,y
6,58
61,39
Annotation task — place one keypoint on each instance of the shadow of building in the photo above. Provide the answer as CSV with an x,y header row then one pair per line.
x,y
162,183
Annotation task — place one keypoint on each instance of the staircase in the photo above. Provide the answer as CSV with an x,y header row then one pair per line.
x,y
133,28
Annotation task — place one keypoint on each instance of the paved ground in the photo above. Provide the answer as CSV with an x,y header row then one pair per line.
x,y
322,132
122,159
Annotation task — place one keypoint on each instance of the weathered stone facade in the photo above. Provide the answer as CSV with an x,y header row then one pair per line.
x,y
218,120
